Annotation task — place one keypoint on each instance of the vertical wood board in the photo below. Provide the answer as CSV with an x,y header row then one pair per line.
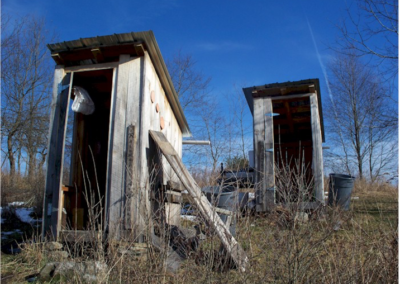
x,y
59,108
118,136
317,159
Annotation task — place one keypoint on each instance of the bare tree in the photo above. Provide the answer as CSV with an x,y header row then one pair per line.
x,y
241,121
372,29
190,84
225,130
358,119
26,80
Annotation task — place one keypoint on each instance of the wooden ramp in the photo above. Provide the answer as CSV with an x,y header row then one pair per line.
x,y
200,200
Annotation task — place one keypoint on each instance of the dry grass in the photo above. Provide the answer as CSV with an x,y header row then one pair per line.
x,y
23,189
333,246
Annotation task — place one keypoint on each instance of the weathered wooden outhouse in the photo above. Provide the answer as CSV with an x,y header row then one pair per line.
x,y
109,91
288,135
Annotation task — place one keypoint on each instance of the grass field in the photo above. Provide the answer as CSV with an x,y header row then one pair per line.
x,y
357,246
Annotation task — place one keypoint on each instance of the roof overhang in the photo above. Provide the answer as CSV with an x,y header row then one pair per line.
x,y
103,49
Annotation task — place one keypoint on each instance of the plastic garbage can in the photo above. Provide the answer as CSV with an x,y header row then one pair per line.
x,y
340,189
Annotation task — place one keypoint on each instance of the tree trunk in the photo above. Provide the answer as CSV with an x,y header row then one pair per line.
x,y
11,159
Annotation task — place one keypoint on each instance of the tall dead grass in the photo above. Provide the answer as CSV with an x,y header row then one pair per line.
x,y
283,246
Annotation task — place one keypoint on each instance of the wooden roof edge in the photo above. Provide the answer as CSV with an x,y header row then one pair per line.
x,y
248,92
145,38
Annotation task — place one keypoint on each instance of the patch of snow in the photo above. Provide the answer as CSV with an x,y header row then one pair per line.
x,y
23,214
11,232
189,217
16,203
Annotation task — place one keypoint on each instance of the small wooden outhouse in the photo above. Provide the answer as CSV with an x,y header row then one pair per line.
x,y
108,93
288,135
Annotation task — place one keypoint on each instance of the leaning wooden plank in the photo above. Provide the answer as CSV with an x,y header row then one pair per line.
x,y
231,245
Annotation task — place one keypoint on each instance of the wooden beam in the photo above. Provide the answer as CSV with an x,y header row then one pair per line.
x,y
288,97
130,174
259,149
200,200
139,49
91,67
57,58
317,159
97,54
223,211
173,196
177,186
117,176
269,172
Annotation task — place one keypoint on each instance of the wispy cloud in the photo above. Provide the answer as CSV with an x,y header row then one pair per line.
x,y
223,46
319,59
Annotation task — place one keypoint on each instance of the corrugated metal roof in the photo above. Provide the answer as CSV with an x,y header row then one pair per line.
x,y
150,45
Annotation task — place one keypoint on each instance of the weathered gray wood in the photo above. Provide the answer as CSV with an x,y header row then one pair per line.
x,y
289,96
118,135
200,200
59,108
269,173
317,159
50,160
143,208
259,132
223,211
173,196
264,160
91,67
130,165
173,213
135,87
174,185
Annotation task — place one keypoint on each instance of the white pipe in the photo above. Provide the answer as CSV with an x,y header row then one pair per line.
x,y
195,142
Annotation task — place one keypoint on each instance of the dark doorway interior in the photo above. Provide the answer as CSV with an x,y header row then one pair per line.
x,y
86,154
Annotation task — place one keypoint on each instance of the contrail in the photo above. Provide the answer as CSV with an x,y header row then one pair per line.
x,y
319,58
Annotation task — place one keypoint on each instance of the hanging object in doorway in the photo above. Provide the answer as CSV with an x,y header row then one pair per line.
x,y
82,102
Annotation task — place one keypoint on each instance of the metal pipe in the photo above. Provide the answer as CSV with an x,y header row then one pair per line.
x,y
195,142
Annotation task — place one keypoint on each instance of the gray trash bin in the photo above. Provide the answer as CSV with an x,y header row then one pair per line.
x,y
340,189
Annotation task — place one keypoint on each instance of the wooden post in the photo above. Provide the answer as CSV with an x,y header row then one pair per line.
x,y
130,174
269,173
264,155
123,162
317,159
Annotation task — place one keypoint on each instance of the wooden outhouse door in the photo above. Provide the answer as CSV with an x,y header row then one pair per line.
x,y
77,166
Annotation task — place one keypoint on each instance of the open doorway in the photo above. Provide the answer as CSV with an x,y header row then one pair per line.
x,y
84,174
293,150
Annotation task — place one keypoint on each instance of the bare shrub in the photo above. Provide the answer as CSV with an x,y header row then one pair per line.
x,y
23,189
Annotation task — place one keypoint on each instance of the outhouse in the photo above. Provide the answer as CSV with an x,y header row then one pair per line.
x,y
108,93
288,135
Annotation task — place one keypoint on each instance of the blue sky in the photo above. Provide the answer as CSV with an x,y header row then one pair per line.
x,y
234,42
246,43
